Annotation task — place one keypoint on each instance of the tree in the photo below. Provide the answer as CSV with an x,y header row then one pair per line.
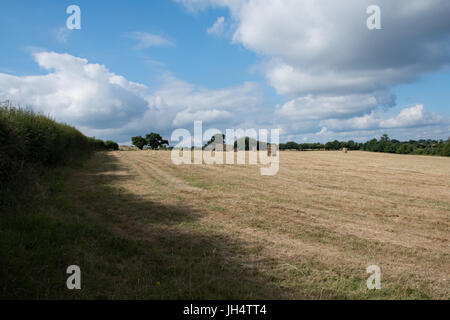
x,y
247,142
292,145
154,140
374,145
215,138
334,145
98,144
139,142
111,145
351,145
446,149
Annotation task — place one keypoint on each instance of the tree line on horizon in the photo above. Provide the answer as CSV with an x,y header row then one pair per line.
x,y
384,144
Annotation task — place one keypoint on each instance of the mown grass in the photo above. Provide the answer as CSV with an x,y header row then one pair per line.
x,y
131,247
40,241
331,230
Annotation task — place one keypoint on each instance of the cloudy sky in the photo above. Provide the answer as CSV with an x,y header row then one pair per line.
x,y
309,67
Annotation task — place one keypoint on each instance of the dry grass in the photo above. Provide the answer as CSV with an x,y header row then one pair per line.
x,y
312,229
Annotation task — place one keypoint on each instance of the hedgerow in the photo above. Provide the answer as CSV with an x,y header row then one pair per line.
x,y
31,142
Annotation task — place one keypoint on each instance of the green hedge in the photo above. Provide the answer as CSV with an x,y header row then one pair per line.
x,y
30,141
111,145
385,144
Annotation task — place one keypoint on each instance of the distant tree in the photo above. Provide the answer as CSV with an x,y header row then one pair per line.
x,y
247,141
404,149
351,145
385,144
334,145
111,145
446,150
139,142
215,139
292,145
155,141
372,145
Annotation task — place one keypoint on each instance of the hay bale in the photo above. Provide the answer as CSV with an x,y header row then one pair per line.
x,y
345,150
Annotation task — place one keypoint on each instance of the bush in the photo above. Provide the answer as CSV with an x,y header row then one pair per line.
x,y
111,145
139,142
446,149
96,144
30,142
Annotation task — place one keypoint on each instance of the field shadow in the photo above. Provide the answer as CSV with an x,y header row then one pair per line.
x,y
169,253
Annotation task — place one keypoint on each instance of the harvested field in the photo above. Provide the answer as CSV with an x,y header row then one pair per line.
x,y
313,228
308,232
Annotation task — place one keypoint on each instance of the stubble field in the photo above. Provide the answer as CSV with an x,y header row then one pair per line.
x,y
310,231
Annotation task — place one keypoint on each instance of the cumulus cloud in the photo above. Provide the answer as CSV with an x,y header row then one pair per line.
x,y
288,80
326,107
175,92
411,117
322,58
332,73
178,103
218,27
146,40
77,92
321,46
318,46
104,104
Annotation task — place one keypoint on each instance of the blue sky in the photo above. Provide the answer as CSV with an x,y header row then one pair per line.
x,y
102,39
432,90
291,65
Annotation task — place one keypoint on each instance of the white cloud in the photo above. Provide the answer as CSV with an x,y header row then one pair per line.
x,y
288,80
326,107
146,40
175,92
107,105
317,46
411,117
76,91
218,27
321,57
178,103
